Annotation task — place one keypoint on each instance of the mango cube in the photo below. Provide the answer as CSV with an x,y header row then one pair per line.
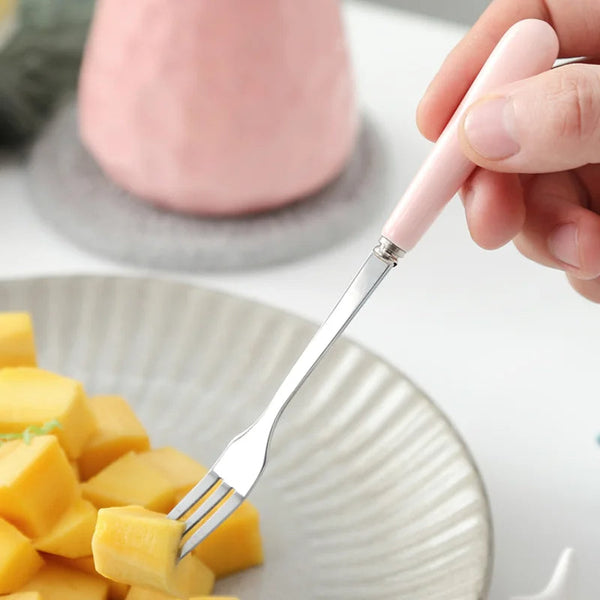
x,y
193,577
234,545
37,484
75,468
116,591
55,582
17,345
118,432
183,471
143,593
18,559
130,480
23,596
137,546
72,534
30,396
84,563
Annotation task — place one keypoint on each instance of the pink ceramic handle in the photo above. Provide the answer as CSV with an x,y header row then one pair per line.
x,y
529,47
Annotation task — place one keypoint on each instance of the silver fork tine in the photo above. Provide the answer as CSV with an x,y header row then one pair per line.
x,y
215,497
212,523
194,495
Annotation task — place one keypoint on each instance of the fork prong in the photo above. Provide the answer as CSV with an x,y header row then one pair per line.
x,y
212,523
194,495
211,501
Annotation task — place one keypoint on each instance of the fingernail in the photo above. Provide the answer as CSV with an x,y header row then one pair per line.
x,y
563,244
489,128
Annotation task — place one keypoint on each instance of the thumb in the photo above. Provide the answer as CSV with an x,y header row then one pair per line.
x,y
547,123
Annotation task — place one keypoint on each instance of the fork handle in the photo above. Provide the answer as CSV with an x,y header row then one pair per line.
x,y
528,48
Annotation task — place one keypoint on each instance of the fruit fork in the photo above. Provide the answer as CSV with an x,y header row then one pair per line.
x,y
528,48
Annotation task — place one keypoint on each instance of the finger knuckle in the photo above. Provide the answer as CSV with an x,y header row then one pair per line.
x,y
578,102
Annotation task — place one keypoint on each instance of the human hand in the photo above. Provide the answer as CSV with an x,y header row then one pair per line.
x,y
537,142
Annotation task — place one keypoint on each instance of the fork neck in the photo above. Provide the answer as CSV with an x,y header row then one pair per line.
x,y
381,260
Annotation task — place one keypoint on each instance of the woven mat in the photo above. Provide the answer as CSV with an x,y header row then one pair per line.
x,y
71,193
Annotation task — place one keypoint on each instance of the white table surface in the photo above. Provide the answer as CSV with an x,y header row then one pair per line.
x,y
503,346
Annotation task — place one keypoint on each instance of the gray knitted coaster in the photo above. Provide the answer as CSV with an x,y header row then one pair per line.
x,y
70,192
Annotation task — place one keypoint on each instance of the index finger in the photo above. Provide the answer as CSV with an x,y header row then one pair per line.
x,y
576,23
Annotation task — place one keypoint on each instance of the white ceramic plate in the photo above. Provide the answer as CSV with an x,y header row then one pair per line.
x,y
369,493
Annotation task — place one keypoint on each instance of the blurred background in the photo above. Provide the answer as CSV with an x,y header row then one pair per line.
x,y
462,11
40,64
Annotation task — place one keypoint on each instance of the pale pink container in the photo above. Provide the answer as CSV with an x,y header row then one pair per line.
x,y
218,106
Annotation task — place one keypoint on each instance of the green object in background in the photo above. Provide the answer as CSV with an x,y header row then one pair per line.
x,y
39,64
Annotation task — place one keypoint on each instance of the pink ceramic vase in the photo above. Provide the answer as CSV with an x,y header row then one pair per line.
x,y
218,106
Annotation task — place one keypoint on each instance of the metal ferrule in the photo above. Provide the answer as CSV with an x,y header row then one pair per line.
x,y
388,251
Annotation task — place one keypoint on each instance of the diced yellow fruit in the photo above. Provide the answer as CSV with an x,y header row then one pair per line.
x,y
119,431
18,559
193,576
144,593
17,346
116,591
37,484
137,546
183,471
234,545
130,480
75,468
56,582
30,396
24,596
72,535
84,563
